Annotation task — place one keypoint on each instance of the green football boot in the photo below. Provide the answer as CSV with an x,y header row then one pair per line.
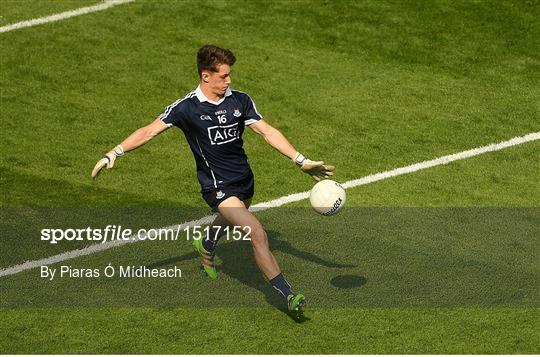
x,y
207,259
296,303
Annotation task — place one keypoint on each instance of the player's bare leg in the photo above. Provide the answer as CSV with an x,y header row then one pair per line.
x,y
218,227
237,214
215,231
207,246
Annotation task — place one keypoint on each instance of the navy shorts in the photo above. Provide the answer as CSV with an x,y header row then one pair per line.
x,y
243,189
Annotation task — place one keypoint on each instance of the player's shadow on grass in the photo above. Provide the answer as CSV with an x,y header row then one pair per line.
x,y
348,281
239,263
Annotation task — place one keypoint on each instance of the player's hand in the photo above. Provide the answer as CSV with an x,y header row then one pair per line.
x,y
107,160
317,169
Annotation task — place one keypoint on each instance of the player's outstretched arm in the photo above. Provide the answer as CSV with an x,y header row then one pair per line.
x,y
138,138
316,169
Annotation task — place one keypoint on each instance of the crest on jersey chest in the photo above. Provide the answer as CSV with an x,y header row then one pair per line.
x,y
237,113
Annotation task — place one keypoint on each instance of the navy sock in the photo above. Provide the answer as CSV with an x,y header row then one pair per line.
x,y
209,243
281,285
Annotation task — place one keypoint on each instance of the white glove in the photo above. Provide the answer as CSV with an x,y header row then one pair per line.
x,y
316,169
108,160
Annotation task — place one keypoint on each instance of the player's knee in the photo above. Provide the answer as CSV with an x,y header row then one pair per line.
x,y
257,235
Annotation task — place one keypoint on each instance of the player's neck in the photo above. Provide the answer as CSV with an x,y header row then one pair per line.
x,y
209,94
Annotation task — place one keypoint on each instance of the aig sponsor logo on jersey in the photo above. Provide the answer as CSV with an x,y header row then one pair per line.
x,y
223,134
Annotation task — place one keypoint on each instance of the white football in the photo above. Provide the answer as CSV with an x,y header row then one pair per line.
x,y
327,197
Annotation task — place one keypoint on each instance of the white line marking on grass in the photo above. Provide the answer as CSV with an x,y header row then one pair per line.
x,y
443,160
63,15
282,201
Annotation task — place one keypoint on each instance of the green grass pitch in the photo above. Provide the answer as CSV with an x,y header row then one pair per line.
x,y
367,86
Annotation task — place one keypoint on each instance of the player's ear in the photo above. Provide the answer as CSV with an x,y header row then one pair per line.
x,y
205,76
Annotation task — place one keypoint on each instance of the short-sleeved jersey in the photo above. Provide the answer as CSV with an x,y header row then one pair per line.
x,y
214,134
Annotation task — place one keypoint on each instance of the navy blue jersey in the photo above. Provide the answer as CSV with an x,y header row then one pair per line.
x,y
214,133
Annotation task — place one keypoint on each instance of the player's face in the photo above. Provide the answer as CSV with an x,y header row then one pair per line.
x,y
218,81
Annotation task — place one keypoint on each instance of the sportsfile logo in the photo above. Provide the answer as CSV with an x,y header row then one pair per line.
x,y
220,135
118,233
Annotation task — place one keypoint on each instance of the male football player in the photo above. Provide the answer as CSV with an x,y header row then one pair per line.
x,y
213,118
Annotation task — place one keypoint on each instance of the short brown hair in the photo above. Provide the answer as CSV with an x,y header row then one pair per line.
x,y
209,57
